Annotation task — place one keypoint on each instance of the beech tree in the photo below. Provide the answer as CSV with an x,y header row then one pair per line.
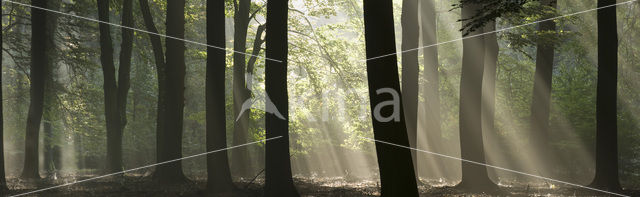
x,y
606,177
278,179
218,173
397,174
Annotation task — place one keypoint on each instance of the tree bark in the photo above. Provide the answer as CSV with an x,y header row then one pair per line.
x,y
38,74
489,83
474,176
124,70
158,54
432,83
278,179
240,156
218,172
606,176
114,136
541,100
410,71
173,118
3,180
397,174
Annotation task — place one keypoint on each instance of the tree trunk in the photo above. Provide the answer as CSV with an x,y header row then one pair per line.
x,y
541,100
158,54
3,180
606,177
38,74
124,70
114,136
278,180
173,118
474,176
410,71
489,83
432,83
397,174
218,173
240,156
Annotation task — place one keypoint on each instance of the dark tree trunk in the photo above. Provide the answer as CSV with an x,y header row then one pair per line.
x,y
489,83
541,100
173,118
3,180
474,176
396,168
49,166
240,156
218,173
158,54
38,75
410,71
124,70
432,82
606,177
114,135
278,180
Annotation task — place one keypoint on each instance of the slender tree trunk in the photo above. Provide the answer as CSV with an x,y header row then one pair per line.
x,y
218,172
541,100
474,177
278,179
240,156
38,75
3,180
606,176
397,174
172,172
410,71
124,70
489,82
158,54
114,136
432,82
49,166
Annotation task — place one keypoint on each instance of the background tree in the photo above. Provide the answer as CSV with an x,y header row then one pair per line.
x,y
174,106
38,74
431,86
606,177
218,172
115,91
397,174
3,179
278,179
240,156
541,99
474,177
410,70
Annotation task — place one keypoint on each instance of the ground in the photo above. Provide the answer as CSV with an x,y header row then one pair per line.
x,y
137,185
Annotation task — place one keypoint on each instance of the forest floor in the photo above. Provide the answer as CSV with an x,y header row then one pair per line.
x,y
144,186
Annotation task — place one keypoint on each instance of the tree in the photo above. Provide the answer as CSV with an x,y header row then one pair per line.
x,y
240,156
174,100
115,92
38,74
432,82
410,71
541,100
218,173
606,177
397,174
159,58
474,176
3,180
278,179
488,107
